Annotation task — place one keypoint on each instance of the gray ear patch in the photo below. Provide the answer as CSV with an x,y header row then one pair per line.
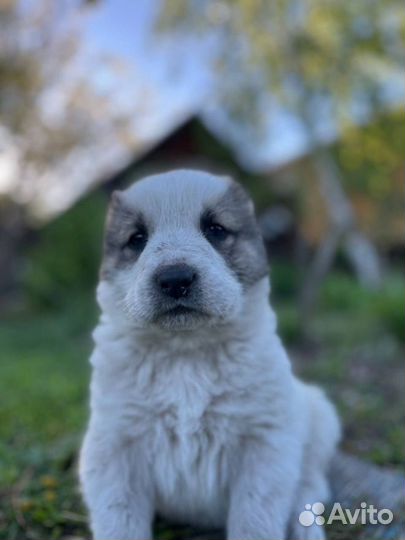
x,y
246,255
121,222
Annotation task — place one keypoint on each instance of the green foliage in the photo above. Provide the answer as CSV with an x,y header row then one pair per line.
x,y
66,257
336,50
285,278
384,307
372,162
389,305
341,293
371,157
289,324
44,379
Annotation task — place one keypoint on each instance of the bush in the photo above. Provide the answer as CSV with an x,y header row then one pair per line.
x,y
385,306
389,306
285,279
342,292
65,260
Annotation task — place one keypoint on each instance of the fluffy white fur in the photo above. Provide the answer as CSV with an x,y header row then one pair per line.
x,y
201,422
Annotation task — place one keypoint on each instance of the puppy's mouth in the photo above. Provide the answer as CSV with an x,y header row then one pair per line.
x,y
180,315
181,310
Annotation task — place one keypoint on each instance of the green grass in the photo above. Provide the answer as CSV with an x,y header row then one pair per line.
x,y
44,378
355,352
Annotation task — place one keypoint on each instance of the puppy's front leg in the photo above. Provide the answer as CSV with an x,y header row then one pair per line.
x,y
116,489
262,491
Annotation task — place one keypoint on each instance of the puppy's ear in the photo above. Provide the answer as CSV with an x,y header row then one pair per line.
x,y
114,205
116,198
118,223
242,196
119,214
117,208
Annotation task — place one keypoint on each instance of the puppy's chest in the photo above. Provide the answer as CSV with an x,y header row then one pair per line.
x,y
193,430
183,402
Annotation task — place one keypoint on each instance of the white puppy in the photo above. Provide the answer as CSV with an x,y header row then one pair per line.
x,y
195,413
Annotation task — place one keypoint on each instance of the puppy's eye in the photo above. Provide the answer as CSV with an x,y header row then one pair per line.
x,y
137,240
215,232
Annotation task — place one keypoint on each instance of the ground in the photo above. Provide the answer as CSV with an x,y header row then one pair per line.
x,y
354,352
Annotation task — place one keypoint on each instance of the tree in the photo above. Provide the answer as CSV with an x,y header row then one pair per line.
x,y
298,52
336,59
56,123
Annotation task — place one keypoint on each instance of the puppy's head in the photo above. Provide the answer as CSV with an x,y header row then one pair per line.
x,y
181,250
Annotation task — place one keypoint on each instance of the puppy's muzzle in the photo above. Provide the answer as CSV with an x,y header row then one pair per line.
x,y
176,281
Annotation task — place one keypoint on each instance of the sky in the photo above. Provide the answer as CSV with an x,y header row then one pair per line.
x,y
178,72
175,70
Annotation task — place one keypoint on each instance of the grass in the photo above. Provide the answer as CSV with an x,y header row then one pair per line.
x,y
355,353
44,379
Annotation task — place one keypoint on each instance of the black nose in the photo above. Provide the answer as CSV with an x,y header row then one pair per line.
x,y
176,280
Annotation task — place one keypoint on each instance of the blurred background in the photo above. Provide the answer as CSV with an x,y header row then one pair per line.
x,y
301,100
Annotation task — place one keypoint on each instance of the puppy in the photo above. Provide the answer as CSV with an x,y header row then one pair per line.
x,y
195,413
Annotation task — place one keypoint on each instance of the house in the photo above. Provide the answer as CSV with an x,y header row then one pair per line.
x,y
293,186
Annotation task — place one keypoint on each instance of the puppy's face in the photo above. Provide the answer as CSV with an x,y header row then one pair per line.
x,y
181,250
